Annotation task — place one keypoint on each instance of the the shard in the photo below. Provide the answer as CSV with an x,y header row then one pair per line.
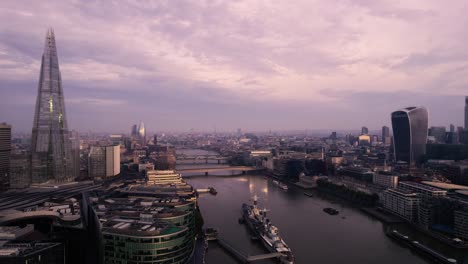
x,y
50,150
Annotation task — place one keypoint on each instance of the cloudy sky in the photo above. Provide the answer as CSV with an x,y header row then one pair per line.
x,y
257,65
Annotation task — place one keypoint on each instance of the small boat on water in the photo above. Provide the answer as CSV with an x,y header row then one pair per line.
x,y
213,191
309,194
211,233
331,211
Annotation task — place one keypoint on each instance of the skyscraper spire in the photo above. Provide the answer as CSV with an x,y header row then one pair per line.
x,y
50,151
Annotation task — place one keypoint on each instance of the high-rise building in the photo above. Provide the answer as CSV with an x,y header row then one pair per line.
x,y
466,113
75,153
50,150
385,132
386,139
142,133
5,154
134,131
20,171
104,161
438,133
364,130
410,134
452,128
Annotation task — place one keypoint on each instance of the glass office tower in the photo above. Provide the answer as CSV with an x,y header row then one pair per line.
x,y
410,134
50,151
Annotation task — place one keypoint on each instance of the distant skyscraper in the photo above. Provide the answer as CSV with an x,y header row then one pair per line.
x,y
5,155
134,131
438,133
410,134
75,153
452,128
386,139
142,133
364,130
155,139
466,113
50,150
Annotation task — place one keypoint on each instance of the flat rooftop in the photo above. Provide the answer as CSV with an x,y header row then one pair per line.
x,y
421,186
445,186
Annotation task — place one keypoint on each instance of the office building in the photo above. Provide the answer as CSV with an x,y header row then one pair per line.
x,y
410,134
466,113
163,177
364,130
457,173
158,223
438,133
142,133
50,150
446,152
461,224
358,173
20,170
386,180
386,135
5,153
423,189
75,154
104,161
402,202
134,132
364,140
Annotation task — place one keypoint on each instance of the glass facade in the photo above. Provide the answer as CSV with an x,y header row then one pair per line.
x,y
410,134
51,150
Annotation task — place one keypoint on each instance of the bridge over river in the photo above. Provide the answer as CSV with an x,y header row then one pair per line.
x,y
206,171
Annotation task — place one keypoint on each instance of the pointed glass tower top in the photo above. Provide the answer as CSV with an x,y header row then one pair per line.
x,y
50,142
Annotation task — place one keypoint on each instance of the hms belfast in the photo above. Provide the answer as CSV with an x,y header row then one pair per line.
x,y
261,226
51,150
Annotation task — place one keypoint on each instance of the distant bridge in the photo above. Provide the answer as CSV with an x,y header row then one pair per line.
x,y
199,159
206,171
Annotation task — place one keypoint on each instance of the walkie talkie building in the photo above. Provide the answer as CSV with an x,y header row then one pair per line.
x,y
410,134
50,150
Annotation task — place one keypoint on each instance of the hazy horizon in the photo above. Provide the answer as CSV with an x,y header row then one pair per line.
x,y
322,65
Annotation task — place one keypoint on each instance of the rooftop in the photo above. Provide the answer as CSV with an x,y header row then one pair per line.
x,y
445,186
421,186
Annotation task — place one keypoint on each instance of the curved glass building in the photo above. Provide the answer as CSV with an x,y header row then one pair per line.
x,y
410,134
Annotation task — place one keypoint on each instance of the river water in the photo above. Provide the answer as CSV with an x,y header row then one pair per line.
x,y
313,236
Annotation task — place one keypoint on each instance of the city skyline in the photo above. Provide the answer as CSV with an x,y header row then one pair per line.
x,y
188,73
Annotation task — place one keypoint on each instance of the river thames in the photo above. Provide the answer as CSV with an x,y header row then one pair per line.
x,y
313,236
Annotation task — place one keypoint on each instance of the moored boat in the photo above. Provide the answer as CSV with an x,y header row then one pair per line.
x,y
268,234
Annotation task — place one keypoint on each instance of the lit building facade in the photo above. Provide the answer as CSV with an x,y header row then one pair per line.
x,y
410,134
